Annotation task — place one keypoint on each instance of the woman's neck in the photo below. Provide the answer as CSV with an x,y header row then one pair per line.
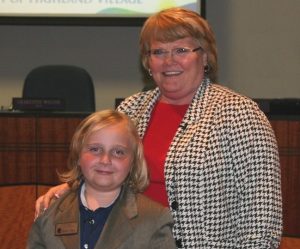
x,y
176,101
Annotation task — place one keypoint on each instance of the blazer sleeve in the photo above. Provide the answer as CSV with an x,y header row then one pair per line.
x,y
35,240
257,173
163,237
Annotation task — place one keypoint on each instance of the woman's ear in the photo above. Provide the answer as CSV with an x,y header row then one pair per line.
x,y
204,58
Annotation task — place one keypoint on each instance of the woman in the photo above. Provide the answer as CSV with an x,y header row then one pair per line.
x,y
103,208
212,153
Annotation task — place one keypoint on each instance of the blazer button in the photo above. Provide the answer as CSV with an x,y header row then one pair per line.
x,y
178,243
174,205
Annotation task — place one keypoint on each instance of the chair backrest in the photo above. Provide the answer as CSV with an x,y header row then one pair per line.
x,y
70,83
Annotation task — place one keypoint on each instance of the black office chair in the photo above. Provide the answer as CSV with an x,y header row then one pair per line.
x,y
72,84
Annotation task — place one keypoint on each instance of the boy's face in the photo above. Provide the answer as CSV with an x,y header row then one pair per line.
x,y
106,158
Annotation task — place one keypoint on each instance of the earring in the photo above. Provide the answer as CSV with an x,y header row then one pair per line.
x,y
149,72
206,69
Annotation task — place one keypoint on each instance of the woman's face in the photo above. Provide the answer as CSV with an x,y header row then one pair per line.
x,y
177,76
106,158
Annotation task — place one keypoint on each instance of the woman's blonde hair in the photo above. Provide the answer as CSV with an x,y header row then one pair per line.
x,y
176,23
138,177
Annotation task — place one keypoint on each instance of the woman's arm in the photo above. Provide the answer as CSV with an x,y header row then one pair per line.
x,y
43,202
255,153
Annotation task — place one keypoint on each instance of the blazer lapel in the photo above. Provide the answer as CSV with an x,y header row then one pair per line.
x,y
118,226
66,222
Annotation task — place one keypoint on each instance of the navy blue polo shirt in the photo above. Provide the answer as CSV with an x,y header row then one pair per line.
x,y
91,222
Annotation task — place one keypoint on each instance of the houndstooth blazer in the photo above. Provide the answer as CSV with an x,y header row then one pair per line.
x,y
222,170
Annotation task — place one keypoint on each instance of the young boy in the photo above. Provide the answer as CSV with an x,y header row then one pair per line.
x,y
104,208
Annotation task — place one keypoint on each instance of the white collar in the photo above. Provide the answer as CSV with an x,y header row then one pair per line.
x,y
84,201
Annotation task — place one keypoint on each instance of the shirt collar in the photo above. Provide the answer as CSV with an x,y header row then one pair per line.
x,y
84,201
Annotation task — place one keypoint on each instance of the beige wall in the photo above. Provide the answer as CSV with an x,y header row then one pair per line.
x,y
258,43
259,46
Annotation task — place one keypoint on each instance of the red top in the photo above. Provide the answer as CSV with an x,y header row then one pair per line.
x,y
165,119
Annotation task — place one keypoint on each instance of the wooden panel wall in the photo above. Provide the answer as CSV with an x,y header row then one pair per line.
x,y
17,150
288,137
33,148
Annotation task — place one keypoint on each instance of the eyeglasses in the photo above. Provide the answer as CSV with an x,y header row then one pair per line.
x,y
175,52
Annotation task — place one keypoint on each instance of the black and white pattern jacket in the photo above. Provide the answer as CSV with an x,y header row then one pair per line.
x,y
222,170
